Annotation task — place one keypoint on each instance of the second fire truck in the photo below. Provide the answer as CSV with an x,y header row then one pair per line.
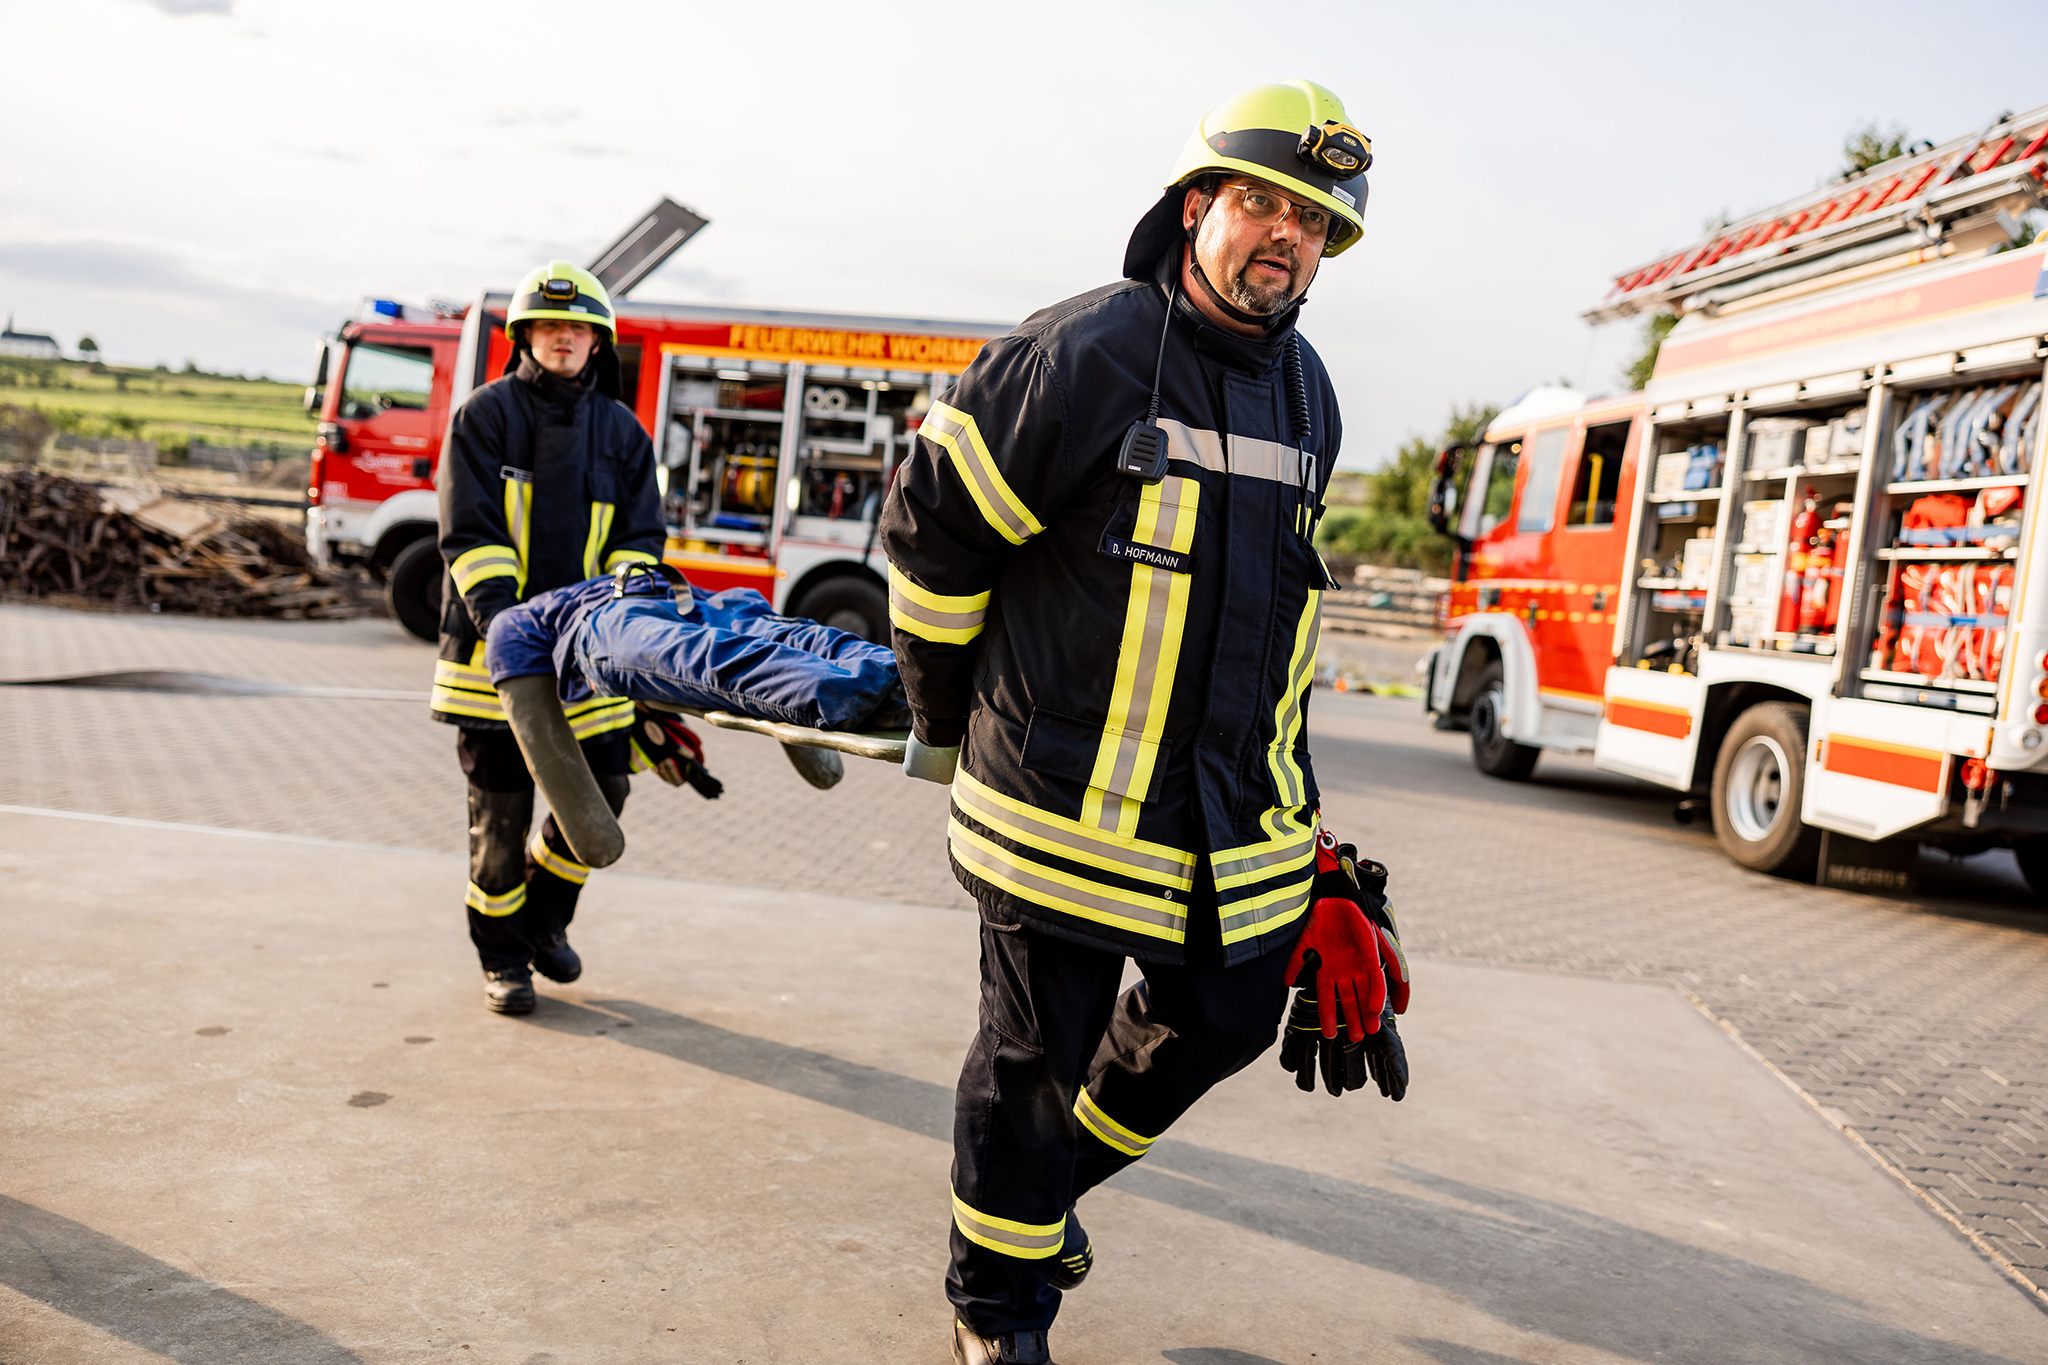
x,y
1800,576
775,434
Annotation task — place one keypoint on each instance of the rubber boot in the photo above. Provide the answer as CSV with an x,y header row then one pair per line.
x,y
551,904
1011,1348
497,841
1076,1258
509,991
554,882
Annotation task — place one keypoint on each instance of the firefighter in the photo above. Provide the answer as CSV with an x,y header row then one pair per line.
x,y
547,480
1104,602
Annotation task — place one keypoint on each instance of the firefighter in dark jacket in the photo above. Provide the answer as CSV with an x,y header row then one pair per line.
x,y
1105,604
547,480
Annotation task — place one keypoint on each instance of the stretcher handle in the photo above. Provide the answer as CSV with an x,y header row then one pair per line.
x,y
559,768
886,746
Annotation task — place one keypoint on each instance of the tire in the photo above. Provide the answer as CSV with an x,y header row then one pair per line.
x,y
1493,753
412,589
1759,786
854,605
2032,856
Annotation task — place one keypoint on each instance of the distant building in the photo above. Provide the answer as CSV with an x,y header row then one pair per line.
x,y
28,345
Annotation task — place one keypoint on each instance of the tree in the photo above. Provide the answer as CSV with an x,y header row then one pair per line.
x,y
1636,374
1392,526
88,349
1868,145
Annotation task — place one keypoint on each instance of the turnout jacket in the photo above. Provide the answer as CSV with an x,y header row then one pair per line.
x,y
1128,663
543,482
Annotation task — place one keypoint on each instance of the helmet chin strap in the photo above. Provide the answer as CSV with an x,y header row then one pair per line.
x,y
1265,322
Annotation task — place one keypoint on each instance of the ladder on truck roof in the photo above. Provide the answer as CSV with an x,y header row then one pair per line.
x,y
1936,202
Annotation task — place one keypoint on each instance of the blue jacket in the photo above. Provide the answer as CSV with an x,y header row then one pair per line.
x,y
722,651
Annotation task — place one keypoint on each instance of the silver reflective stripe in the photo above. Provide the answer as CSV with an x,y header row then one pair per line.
x,y
1128,743
937,620
979,854
1040,832
1254,459
955,432
1252,864
1270,910
1030,1241
1287,777
1184,442
1265,460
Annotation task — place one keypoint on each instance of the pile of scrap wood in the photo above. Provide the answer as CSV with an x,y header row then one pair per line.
x,y
63,539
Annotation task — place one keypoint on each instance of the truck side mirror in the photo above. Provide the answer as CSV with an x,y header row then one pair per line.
x,y
315,396
1443,487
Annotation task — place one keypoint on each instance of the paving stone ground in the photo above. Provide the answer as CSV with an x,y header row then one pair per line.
x,y
1919,1026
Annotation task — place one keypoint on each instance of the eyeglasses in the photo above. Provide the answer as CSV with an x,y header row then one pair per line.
x,y
1265,208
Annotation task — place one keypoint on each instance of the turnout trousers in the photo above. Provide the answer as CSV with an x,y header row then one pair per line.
x,y
523,890
1068,1082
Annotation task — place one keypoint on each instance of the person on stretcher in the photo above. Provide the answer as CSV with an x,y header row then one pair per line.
x,y
652,636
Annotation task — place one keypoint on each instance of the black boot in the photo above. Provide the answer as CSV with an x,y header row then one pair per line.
x,y
508,990
1011,1348
550,904
1076,1258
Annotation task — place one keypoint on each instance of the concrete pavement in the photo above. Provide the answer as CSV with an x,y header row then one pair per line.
x,y
256,1112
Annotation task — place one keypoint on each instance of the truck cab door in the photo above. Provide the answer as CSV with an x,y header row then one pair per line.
x,y
383,412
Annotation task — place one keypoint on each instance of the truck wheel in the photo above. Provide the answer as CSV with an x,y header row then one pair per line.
x,y
1759,784
1493,753
2032,856
412,589
851,604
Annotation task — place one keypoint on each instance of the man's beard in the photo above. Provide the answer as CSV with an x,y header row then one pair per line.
x,y
1258,299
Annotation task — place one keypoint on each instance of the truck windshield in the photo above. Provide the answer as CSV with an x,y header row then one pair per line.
x,y
381,378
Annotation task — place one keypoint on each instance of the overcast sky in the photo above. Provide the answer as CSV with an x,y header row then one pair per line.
x,y
222,180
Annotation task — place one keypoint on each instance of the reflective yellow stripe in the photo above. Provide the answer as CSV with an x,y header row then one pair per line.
x,y
519,519
599,716
955,432
618,557
1146,661
498,906
472,567
600,532
1057,889
934,616
1263,861
1290,787
1026,1241
1269,910
568,869
1070,839
1108,1129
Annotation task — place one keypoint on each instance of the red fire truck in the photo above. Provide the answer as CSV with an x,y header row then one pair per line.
x,y
775,435
1799,577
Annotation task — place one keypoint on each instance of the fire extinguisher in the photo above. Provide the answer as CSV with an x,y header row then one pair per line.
x,y
1793,593
1837,567
1813,595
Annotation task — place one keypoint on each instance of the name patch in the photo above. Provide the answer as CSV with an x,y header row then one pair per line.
x,y
1173,561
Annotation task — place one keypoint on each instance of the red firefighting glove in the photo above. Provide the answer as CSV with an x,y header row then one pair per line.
x,y
1357,960
672,751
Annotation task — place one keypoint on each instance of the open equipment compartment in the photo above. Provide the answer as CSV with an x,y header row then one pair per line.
x,y
722,453
1794,525
1672,577
855,427
1950,514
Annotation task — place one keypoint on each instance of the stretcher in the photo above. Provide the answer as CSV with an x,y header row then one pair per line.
x,y
638,635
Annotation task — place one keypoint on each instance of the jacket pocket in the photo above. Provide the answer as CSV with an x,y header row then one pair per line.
x,y
1060,746
1156,527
